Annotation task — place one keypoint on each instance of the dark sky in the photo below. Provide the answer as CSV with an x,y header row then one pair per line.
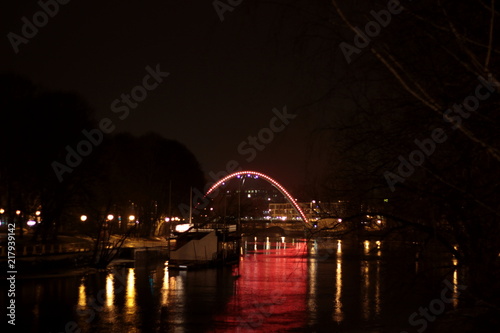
x,y
225,77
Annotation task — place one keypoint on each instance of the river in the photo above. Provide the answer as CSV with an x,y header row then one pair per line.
x,y
281,285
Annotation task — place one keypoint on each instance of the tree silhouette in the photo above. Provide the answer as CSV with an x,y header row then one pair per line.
x,y
36,127
428,66
148,175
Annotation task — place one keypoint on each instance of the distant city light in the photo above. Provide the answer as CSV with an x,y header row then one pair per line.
x,y
31,223
83,218
18,212
110,217
37,213
167,219
131,218
2,210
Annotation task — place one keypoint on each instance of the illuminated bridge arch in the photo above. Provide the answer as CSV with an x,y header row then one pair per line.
x,y
270,180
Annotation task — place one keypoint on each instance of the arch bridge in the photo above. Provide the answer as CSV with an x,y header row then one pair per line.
x,y
257,175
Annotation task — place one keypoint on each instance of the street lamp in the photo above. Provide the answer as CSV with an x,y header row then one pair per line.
x,y
110,217
83,218
18,213
2,210
131,218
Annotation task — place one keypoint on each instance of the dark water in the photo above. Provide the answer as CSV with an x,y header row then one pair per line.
x,y
280,285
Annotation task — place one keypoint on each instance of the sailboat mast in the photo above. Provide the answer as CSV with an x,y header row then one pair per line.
x,y
190,204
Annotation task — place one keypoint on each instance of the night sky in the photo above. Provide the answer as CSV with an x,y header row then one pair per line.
x,y
225,77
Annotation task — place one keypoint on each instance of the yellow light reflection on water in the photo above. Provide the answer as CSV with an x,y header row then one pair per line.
x,y
366,244
455,284
130,294
165,287
82,300
312,273
338,315
365,297
110,291
339,246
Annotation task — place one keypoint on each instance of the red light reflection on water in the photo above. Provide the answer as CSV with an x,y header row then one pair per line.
x,y
270,292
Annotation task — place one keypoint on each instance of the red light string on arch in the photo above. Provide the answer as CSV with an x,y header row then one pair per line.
x,y
269,180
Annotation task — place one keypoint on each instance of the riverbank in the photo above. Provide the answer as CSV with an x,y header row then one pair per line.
x,y
70,253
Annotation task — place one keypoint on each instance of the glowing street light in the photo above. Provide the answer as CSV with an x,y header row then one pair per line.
x,y
37,213
2,210
131,218
110,217
83,218
18,212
